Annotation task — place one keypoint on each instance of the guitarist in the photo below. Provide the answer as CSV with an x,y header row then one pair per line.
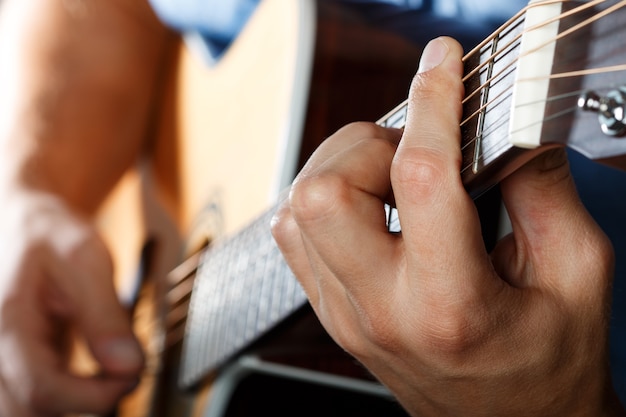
x,y
77,80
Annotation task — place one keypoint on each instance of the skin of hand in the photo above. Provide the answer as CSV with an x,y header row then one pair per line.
x,y
77,79
56,276
451,329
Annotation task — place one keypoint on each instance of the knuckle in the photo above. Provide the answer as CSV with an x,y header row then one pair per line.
x,y
282,225
317,197
419,171
363,129
381,329
452,334
383,334
343,331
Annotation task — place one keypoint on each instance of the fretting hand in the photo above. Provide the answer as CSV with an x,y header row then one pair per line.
x,y
451,329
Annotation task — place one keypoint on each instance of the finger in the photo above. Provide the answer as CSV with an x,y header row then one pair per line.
x,y
93,395
326,294
552,230
339,206
439,223
40,380
343,139
286,233
85,276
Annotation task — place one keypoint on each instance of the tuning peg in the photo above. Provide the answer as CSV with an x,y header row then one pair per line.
x,y
610,108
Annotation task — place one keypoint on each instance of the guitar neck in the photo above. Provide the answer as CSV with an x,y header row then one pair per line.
x,y
490,72
244,288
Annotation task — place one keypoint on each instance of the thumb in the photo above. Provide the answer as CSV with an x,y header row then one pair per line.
x,y
98,313
552,231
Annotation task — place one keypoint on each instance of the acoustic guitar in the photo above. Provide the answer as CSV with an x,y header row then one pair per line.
x,y
228,331
228,138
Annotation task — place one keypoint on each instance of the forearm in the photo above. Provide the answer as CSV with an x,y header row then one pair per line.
x,y
77,81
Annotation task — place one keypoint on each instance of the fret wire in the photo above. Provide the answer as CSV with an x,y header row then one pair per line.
x,y
485,106
505,94
514,19
478,48
482,65
507,25
560,36
563,34
517,38
509,67
594,71
387,116
492,127
490,151
496,149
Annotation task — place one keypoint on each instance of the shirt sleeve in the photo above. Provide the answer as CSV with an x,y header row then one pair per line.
x,y
217,22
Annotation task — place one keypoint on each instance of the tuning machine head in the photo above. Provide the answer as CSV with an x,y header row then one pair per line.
x,y
611,110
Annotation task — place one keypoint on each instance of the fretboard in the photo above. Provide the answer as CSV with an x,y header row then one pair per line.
x,y
244,288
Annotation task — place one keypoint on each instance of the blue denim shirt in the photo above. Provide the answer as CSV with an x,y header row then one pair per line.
x,y
217,22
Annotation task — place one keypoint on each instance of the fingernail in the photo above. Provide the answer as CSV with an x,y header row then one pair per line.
x,y
123,353
433,55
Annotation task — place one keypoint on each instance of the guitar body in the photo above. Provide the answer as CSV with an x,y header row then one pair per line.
x,y
228,138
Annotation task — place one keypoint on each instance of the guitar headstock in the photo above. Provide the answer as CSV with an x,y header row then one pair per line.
x,y
554,74
524,84
569,86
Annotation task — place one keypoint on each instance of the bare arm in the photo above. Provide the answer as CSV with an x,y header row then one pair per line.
x,y
77,81
77,78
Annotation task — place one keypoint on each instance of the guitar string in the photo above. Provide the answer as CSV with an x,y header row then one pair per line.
x,y
509,25
505,95
478,49
512,24
515,42
554,76
497,100
513,21
504,116
495,149
175,317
